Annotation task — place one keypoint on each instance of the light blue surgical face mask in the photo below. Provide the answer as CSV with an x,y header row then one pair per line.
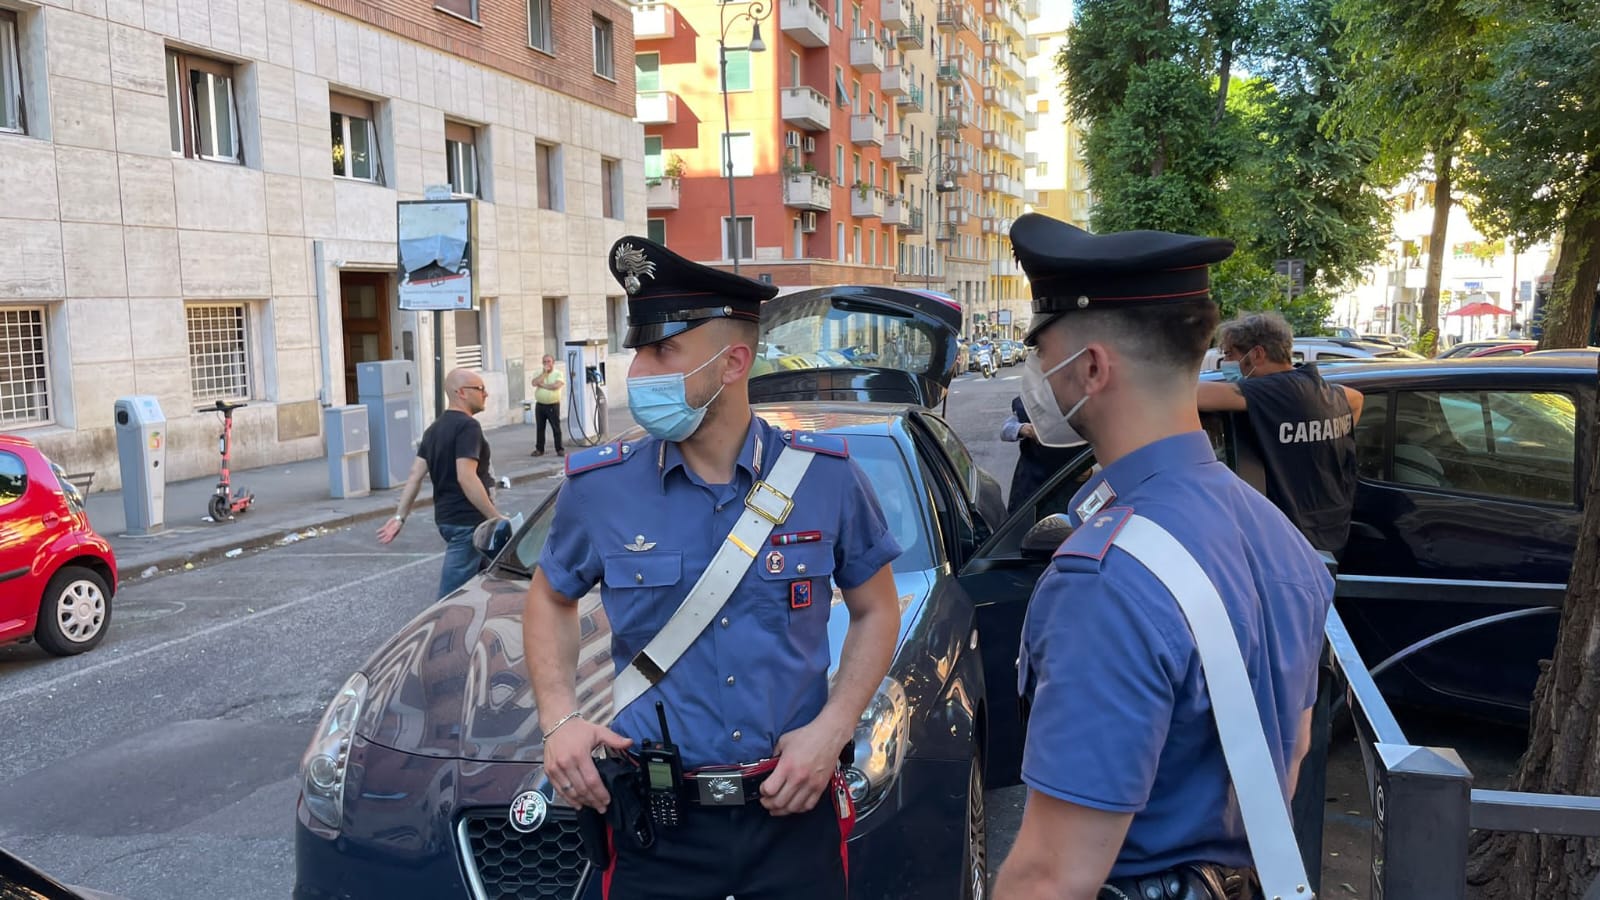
x,y
660,403
1230,370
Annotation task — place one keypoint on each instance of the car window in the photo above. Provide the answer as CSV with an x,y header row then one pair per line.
x,y
68,489
1515,444
13,478
887,471
1371,453
819,334
966,469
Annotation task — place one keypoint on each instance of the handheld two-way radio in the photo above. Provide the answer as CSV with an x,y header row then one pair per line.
x,y
663,773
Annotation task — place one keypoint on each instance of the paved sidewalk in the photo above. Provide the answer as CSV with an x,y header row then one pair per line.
x,y
290,499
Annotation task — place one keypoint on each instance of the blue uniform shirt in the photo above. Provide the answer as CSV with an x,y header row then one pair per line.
x,y
1120,718
761,669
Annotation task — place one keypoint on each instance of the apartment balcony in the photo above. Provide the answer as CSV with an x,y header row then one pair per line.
x,y
1001,55
654,21
1001,13
950,72
808,190
997,224
957,217
911,163
866,202
805,22
896,147
953,17
807,108
913,223
866,54
1032,84
896,212
896,14
895,82
662,193
911,37
1007,102
1030,121
1030,160
949,126
866,129
1030,9
656,108
1005,267
1030,46
946,232
1004,143
1030,197
910,101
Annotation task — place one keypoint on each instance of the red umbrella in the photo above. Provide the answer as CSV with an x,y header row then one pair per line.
x,y
1480,308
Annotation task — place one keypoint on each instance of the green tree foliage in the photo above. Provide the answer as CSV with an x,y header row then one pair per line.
x,y
1536,169
1411,68
1177,142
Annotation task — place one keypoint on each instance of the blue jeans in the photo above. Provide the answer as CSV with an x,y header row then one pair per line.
x,y
461,559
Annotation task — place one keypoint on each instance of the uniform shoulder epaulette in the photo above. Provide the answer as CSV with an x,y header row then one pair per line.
x,y
598,457
1092,540
827,444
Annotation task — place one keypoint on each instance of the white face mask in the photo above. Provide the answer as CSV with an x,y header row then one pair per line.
x,y
1051,426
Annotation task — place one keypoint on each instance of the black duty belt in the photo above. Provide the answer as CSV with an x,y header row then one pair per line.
x,y
727,785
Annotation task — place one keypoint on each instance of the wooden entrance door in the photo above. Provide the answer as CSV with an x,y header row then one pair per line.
x,y
364,307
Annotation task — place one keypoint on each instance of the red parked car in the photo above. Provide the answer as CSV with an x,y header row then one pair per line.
x,y
57,576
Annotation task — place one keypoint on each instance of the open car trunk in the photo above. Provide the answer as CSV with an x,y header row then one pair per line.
x,y
854,342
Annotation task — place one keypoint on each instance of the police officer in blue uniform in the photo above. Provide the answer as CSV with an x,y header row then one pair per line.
x,y
1129,793
644,519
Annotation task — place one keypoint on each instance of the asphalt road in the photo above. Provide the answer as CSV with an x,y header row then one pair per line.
x,y
163,765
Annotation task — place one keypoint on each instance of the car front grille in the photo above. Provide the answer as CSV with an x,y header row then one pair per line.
x,y
505,864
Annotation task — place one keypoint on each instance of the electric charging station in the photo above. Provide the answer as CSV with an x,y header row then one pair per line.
x,y
586,397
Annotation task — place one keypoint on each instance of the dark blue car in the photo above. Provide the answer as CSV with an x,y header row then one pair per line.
x,y
407,784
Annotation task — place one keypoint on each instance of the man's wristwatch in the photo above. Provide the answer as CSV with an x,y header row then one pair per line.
x,y
399,518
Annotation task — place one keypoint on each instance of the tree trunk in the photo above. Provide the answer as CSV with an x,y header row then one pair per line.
x,y
1444,171
1224,76
1569,311
1563,755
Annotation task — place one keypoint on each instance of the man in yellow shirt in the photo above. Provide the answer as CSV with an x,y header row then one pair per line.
x,y
547,387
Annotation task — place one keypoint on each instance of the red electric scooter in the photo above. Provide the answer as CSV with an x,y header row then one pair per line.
x,y
225,503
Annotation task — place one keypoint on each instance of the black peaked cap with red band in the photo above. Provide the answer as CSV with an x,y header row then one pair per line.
x,y
668,295
1071,270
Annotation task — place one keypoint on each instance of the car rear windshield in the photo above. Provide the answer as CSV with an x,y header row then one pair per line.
x,y
886,470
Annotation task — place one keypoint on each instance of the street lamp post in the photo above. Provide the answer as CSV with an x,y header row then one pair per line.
x,y
755,12
938,183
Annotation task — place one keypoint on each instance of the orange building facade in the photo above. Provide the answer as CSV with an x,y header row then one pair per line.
x,y
858,140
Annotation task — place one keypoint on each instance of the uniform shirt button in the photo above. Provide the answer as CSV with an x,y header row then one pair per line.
x,y
638,577
737,735
801,568
724,621
730,681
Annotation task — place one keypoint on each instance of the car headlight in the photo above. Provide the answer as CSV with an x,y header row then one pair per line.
x,y
880,746
323,767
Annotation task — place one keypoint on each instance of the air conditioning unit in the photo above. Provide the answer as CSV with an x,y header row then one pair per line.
x,y
791,139
808,222
810,144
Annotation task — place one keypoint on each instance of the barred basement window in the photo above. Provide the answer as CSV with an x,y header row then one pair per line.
x,y
219,352
24,368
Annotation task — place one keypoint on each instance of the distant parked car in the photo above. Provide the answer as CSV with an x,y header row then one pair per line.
x,y
57,576
1393,340
1492,347
1012,352
1326,349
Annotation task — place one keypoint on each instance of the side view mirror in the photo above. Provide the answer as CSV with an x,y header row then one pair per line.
x,y
491,536
1046,536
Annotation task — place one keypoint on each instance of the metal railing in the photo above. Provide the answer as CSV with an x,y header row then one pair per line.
x,y
1424,807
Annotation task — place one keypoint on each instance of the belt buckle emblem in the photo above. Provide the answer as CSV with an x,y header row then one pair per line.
x,y
720,790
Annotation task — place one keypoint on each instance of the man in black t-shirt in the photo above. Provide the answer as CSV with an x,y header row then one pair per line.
x,y
1303,426
455,458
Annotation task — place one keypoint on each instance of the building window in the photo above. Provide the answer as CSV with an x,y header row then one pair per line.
x,y
11,108
548,159
611,188
838,163
219,352
739,233
469,339
739,70
616,320
740,148
24,368
656,230
604,64
838,241
646,72
540,35
654,167
855,255
202,115
1042,167
461,159
355,138
466,9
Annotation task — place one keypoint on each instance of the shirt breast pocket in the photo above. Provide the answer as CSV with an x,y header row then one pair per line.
x,y
639,585
797,587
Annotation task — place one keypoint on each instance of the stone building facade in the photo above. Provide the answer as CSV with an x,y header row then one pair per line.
x,y
199,197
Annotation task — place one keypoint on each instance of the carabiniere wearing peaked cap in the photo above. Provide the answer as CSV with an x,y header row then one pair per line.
x,y
668,295
1070,269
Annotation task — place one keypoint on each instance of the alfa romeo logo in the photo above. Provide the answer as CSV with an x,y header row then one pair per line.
x,y
528,811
